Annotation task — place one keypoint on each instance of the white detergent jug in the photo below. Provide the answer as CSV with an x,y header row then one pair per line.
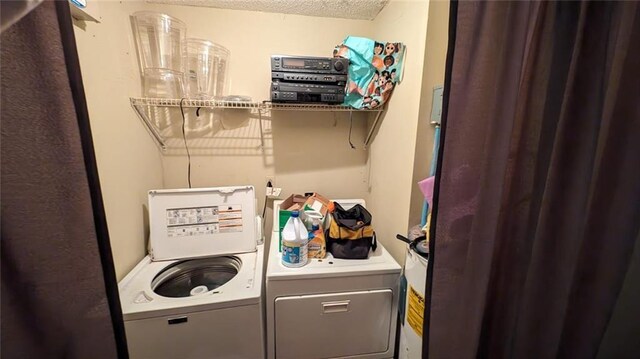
x,y
295,240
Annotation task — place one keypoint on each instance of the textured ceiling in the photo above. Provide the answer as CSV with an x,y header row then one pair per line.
x,y
347,9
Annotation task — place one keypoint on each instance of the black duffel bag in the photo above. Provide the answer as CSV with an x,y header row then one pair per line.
x,y
350,234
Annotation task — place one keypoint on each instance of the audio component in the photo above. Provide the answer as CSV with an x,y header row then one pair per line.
x,y
302,79
304,97
305,92
306,64
302,87
297,76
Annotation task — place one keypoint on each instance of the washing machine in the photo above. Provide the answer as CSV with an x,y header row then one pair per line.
x,y
198,292
331,308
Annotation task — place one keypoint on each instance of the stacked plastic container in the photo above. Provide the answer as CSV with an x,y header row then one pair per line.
x,y
159,39
173,66
205,69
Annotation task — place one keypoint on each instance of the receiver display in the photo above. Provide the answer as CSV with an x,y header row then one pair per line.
x,y
293,62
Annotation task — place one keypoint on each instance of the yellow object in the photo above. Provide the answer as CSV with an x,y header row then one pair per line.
x,y
426,227
317,247
335,231
415,312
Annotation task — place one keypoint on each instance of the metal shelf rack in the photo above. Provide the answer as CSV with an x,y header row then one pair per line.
x,y
146,109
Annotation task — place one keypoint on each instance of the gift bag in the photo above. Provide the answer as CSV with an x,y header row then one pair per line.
x,y
375,68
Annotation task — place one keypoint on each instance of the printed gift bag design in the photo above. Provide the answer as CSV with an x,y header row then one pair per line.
x,y
375,68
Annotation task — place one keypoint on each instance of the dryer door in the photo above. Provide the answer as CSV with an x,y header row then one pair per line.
x,y
333,325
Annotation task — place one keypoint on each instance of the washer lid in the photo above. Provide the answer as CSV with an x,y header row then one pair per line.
x,y
190,223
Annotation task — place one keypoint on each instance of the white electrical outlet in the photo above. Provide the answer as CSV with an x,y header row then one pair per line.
x,y
273,192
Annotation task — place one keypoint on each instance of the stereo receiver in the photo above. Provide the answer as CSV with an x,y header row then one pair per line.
x,y
306,64
303,79
301,92
300,77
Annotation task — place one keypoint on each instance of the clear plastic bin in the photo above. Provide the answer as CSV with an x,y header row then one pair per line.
x,y
162,83
205,69
159,39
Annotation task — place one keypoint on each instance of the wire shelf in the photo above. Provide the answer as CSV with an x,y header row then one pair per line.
x,y
175,102
313,107
162,116
265,105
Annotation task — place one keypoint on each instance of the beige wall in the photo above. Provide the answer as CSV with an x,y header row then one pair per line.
x,y
129,163
433,75
303,151
393,148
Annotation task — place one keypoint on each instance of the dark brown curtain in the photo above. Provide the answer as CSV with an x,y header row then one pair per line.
x,y
55,299
538,199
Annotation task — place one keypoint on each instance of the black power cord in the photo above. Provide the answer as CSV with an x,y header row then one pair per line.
x,y
184,137
264,207
350,128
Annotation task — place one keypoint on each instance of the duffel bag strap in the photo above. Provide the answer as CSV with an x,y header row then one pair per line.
x,y
327,237
374,242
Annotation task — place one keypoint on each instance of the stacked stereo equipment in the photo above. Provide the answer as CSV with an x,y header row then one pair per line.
x,y
302,79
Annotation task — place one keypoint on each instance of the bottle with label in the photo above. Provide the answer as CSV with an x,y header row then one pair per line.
x,y
295,240
317,244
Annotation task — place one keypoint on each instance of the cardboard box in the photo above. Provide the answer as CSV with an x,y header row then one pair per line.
x,y
297,202
315,204
318,203
292,203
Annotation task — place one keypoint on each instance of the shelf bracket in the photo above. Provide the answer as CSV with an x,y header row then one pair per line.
x,y
372,129
149,126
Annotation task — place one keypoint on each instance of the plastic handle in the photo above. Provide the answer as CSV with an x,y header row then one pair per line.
x,y
178,320
296,226
335,307
404,239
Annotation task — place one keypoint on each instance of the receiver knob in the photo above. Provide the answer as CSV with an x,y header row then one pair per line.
x,y
339,66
